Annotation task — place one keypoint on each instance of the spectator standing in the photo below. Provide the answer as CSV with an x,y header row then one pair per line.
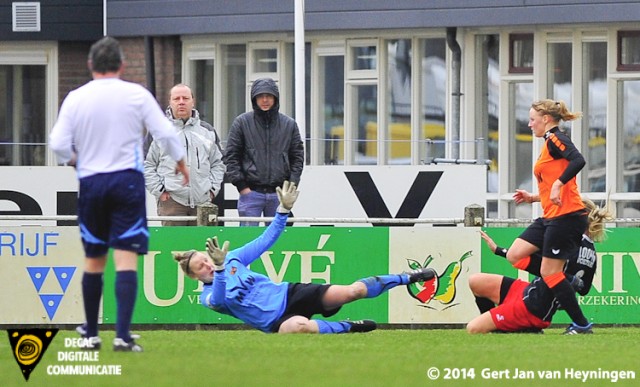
x,y
263,150
203,156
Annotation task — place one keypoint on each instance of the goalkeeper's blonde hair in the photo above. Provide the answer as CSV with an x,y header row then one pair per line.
x,y
184,259
597,218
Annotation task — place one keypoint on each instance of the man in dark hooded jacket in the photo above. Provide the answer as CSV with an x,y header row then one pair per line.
x,y
263,150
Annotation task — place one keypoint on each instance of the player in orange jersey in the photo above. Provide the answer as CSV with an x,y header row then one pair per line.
x,y
558,232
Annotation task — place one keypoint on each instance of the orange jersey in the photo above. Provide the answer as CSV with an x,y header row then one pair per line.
x,y
559,159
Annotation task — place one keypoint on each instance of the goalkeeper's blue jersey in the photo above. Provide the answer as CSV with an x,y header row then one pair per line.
x,y
244,294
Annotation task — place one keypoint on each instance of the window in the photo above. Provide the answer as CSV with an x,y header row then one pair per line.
x,y
22,115
329,132
398,136
559,76
28,102
433,97
487,109
629,137
362,127
234,78
594,118
203,87
521,53
520,146
628,50
265,60
361,103
364,57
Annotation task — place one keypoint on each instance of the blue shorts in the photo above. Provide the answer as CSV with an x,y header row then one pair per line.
x,y
112,213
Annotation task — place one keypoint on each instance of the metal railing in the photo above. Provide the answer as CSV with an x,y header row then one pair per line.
x,y
213,219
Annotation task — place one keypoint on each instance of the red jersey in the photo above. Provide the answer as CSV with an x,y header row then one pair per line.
x,y
561,160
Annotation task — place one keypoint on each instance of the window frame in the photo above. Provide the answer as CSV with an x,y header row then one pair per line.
x,y
620,36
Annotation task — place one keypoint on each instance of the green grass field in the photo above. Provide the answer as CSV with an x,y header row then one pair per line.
x,y
386,357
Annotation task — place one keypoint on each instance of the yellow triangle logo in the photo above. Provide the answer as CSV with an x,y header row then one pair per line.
x,y
29,345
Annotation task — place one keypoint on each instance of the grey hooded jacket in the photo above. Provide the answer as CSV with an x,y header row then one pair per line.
x,y
203,158
264,148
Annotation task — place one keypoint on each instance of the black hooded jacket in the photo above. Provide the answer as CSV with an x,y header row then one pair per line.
x,y
264,148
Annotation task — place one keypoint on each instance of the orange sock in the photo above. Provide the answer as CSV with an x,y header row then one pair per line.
x,y
523,263
554,279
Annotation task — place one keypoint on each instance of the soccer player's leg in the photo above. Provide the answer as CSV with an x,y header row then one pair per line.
x,y
529,242
564,292
92,218
379,284
126,291
481,324
301,324
486,289
520,250
92,284
562,241
129,237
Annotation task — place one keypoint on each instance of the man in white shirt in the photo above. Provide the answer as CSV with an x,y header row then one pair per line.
x,y
100,131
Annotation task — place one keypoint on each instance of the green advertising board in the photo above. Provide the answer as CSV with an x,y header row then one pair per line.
x,y
315,254
342,255
615,295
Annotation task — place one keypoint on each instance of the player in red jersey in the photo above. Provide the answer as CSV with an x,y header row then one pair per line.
x,y
529,307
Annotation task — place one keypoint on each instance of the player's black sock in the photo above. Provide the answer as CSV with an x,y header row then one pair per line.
x,y
126,291
566,295
484,304
91,294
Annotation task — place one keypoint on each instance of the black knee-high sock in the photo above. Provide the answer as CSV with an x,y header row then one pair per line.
x,y
566,295
126,291
91,295
484,304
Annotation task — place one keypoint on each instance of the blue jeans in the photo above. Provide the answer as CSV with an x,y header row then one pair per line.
x,y
256,204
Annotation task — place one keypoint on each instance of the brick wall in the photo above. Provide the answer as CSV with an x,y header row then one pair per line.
x,y
72,67
73,71
167,63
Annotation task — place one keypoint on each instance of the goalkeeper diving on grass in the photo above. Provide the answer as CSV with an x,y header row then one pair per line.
x,y
230,287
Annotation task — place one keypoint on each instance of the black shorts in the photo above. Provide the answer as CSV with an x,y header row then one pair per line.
x,y
557,238
505,286
304,300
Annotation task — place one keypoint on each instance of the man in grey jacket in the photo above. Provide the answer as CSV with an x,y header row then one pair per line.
x,y
263,150
204,161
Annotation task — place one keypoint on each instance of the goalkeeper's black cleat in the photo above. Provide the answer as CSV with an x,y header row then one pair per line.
x,y
421,275
361,326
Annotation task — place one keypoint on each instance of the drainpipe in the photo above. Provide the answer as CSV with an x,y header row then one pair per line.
x,y
455,92
150,64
